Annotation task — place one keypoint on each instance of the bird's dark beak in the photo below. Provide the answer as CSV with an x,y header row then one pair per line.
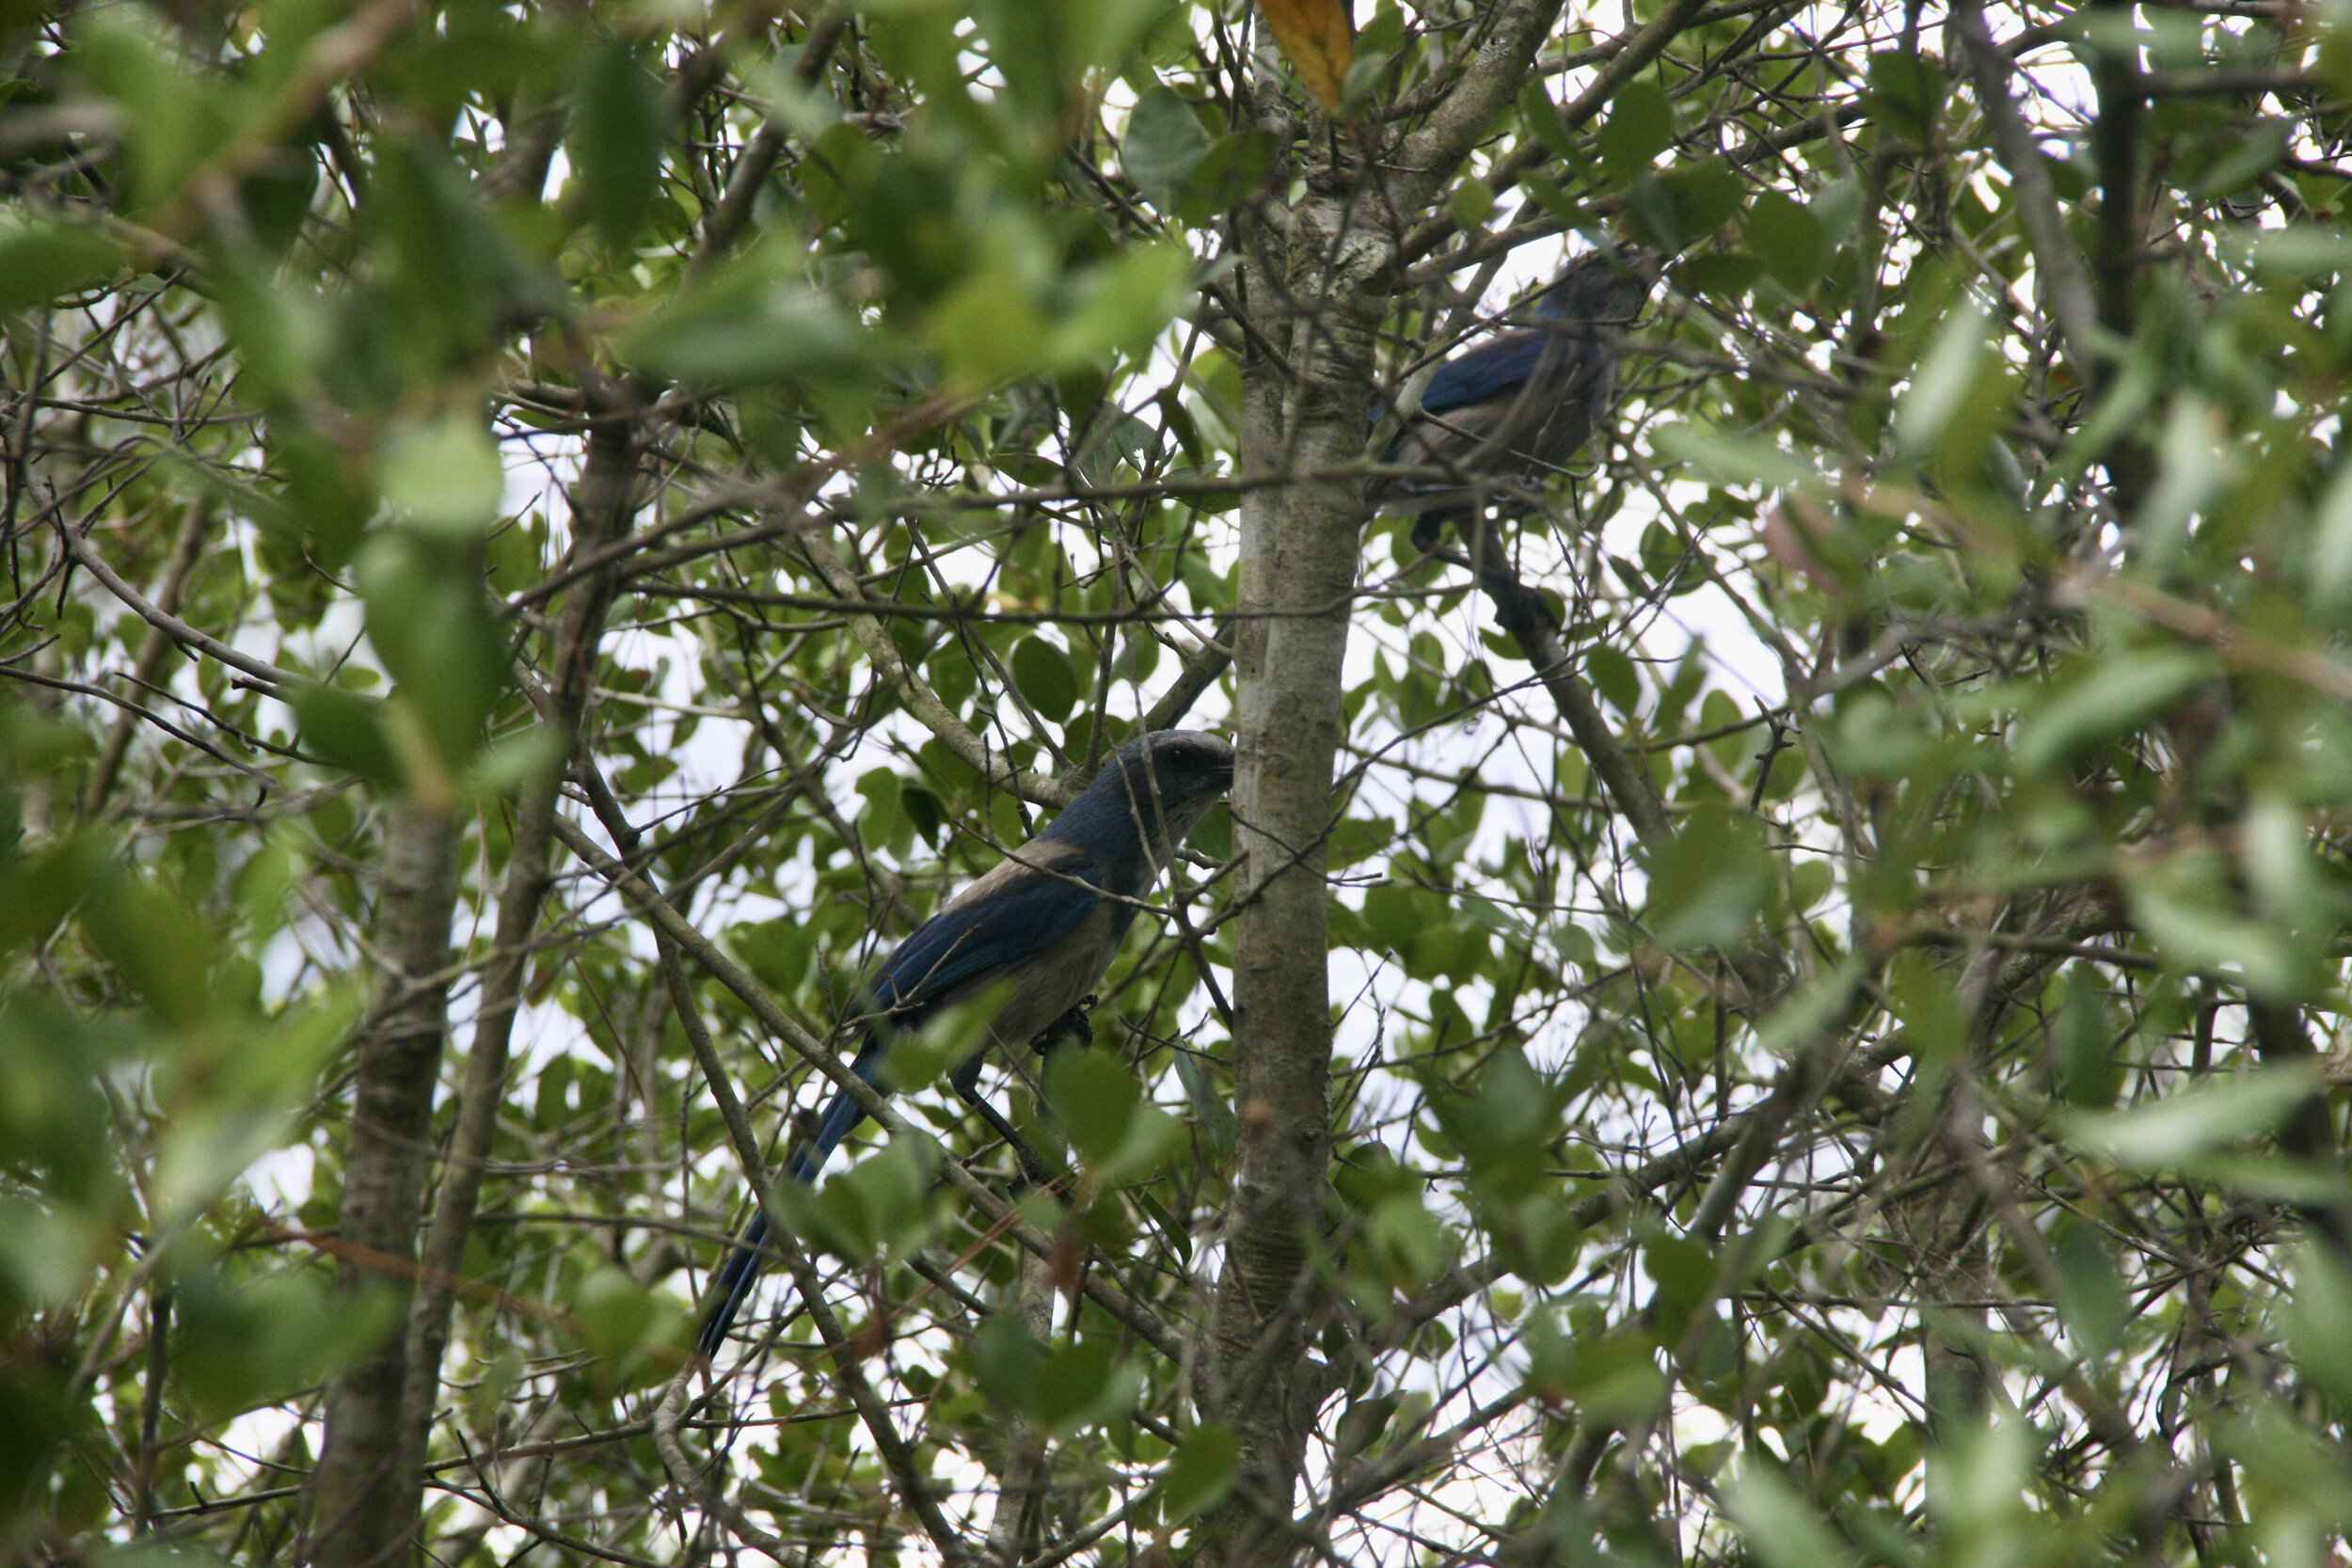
x,y
1641,262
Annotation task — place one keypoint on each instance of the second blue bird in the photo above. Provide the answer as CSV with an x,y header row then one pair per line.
x,y
1506,412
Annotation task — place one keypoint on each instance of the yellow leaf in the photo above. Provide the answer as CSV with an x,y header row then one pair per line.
x,y
1318,37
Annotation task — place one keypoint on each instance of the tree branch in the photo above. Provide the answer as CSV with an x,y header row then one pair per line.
x,y
602,504
2069,298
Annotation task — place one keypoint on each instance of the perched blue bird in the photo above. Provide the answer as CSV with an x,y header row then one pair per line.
x,y
1508,412
1041,928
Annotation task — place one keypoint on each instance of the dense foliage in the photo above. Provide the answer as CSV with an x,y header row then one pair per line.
x,y
541,538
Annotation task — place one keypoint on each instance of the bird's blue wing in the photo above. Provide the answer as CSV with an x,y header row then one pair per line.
x,y
1028,902
1014,912
1476,374
1490,371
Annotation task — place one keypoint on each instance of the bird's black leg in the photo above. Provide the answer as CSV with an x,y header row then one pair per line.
x,y
965,1080
1519,606
1078,1025
1429,530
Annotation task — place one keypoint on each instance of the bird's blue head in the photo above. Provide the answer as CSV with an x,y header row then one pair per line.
x,y
1600,286
1154,788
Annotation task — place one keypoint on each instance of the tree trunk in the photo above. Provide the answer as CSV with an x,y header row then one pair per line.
x,y
1300,544
364,1503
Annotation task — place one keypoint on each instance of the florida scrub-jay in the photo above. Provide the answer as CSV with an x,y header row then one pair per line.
x,y
1041,928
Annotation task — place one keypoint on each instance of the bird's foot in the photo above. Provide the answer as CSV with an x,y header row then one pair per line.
x,y
1077,1023
1034,1177
1030,1174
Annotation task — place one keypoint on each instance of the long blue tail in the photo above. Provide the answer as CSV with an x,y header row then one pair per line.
x,y
734,1284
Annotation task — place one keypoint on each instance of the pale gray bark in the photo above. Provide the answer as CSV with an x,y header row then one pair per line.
x,y
1298,563
365,1503
1015,1529
1316,291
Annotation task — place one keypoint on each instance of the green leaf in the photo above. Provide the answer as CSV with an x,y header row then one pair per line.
x,y
1729,459
1778,1525
47,1250
513,762
1095,1098
2194,467
1564,209
1235,166
1200,1472
278,197
2301,250
1942,380
2318,1321
448,267
1357,838
1410,1242
159,943
444,478
2199,1120
1788,239
1005,1361
1046,677
1685,1270
1706,196
1164,144
1614,1378
171,111
1722,274
1122,305
2183,904
244,1343
2291,885
327,493
2088,1075
989,329
1640,126
610,1310
2253,152
877,1203
485,1401
2090,1295
748,327
615,139
1709,881
1029,47
344,730
1812,1008
1083,1384
2115,697
1106,36
1393,916
1906,93
1472,202
1544,121
1613,677
2331,580
40,260
1208,1107
429,622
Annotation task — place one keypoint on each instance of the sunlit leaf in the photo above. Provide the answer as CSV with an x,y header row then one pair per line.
x,y
2197,1121
1318,39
